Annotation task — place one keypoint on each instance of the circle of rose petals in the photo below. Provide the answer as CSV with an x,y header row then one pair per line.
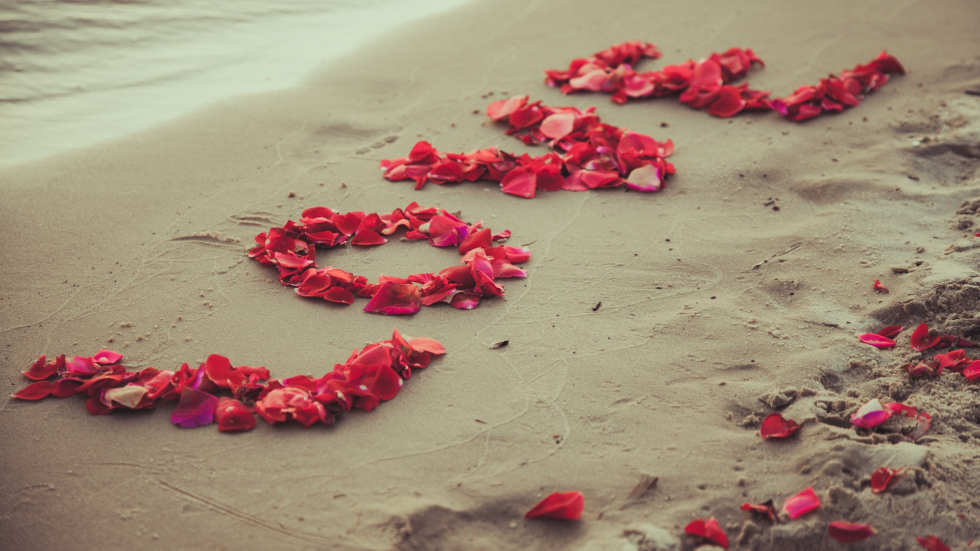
x,y
369,376
586,154
291,249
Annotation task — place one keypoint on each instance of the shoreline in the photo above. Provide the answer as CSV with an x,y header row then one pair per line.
x,y
149,237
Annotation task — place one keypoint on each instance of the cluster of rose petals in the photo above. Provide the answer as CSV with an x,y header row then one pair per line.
x,y
709,530
561,506
775,426
369,376
847,532
291,249
703,84
801,504
873,413
920,340
604,71
110,387
882,478
586,154
834,93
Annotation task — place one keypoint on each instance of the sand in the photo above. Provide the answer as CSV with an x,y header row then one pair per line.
x,y
710,299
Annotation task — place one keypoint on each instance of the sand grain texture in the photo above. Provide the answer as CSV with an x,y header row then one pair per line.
x,y
715,307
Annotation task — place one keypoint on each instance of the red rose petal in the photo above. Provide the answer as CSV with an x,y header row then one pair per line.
x,y
766,509
876,340
890,331
567,506
920,338
107,357
41,369
709,530
35,391
972,371
395,299
877,286
882,478
233,416
801,504
728,103
932,543
848,532
775,426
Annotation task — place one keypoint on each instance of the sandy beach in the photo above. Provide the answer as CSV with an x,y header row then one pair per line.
x,y
717,309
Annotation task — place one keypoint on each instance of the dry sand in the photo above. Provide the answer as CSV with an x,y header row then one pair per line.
x,y
710,300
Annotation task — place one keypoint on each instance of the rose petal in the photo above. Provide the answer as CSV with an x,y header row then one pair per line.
x,y
128,396
645,178
876,340
395,299
707,529
35,391
728,103
567,506
871,415
558,126
877,286
890,331
932,543
882,478
233,416
775,426
920,338
767,509
107,357
972,371
923,423
195,409
41,369
801,504
848,532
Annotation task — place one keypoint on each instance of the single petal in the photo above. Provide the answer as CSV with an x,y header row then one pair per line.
x,y
218,369
728,103
923,422
876,340
767,510
972,371
871,414
890,331
233,416
801,504
107,357
878,286
128,396
882,478
395,299
558,126
646,178
847,532
195,408
567,506
932,543
42,369
921,340
709,530
775,426
35,391
386,383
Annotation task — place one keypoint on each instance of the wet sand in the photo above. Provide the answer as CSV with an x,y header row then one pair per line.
x,y
713,303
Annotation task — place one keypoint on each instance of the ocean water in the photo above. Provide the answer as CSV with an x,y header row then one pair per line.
x,y
77,72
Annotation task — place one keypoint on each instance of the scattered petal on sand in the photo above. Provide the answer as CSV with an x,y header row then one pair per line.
x,y
882,478
775,426
801,504
876,340
847,532
972,371
890,331
878,286
921,340
932,543
871,414
709,530
195,409
567,506
766,510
